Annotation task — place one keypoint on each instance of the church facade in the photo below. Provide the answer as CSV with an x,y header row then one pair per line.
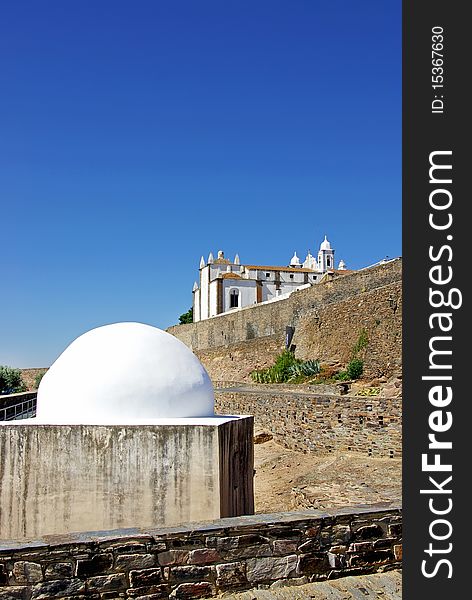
x,y
226,285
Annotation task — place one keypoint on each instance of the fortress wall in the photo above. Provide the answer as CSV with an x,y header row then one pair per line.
x,y
236,361
205,559
331,332
327,317
311,422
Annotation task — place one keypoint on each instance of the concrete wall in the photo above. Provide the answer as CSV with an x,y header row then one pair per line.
x,y
311,422
328,319
56,479
206,559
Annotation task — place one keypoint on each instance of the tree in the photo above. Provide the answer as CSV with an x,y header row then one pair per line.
x,y
11,380
186,317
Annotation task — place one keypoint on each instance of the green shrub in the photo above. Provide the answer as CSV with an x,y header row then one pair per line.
x,y
279,372
355,368
308,368
341,376
286,369
11,380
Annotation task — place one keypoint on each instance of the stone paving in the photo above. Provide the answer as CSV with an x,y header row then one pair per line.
x,y
378,586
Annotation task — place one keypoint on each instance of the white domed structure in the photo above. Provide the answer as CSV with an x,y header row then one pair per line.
x,y
124,373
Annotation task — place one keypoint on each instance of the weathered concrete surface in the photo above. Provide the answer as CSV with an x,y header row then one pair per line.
x,y
387,586
60,478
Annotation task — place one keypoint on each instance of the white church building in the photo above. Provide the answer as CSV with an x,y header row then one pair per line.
x,y
228,285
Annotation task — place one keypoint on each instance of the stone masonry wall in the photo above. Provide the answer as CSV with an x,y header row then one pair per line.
x,y
331,333
236,361
205,559
311,422
328,319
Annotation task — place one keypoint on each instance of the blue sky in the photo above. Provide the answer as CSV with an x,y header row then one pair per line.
x,y
137,136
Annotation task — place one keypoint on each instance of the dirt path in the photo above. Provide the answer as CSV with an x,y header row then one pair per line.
x,y
288,480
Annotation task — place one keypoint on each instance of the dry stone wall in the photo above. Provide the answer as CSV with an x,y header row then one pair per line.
x,y
328,319
310,422
205,559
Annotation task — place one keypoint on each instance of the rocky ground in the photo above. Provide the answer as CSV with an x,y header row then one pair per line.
x,y
288,480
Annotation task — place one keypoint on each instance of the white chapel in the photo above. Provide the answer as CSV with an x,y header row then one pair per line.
x,y
228,285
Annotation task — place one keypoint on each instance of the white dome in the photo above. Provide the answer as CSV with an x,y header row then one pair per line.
x,y
295,261
325,245
122,373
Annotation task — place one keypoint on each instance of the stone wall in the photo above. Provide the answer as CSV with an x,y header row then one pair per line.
x,y
331,333
311,422
205,559
236,361
328,319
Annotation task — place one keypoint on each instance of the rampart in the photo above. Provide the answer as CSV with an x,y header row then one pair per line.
x,y
328,319
201,560
311,422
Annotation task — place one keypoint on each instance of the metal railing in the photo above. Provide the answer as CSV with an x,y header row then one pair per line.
x,y
18,406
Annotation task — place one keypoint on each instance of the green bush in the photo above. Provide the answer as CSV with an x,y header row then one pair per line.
x,y
279,372
341,376
11,380
286,369
355,368
308,368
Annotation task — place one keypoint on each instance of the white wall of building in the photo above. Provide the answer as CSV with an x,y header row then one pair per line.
x,y
204,292
213,298
196,305
269,290
247,292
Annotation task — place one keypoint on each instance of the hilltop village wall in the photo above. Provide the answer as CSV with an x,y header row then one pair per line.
x,y
328,319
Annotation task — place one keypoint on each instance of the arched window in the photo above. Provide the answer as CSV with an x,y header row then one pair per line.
x,y
234,298
328,261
